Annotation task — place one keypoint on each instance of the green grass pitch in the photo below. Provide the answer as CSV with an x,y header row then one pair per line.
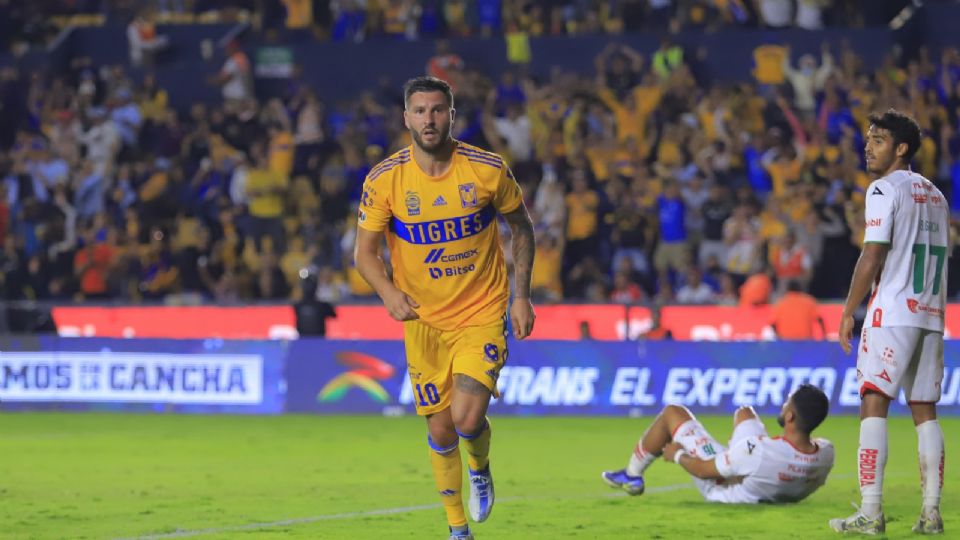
x,y
354,477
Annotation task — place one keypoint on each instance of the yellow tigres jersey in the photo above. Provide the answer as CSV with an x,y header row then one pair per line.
x,y
442,233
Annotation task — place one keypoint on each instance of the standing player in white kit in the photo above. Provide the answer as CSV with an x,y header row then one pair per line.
x,y
904,256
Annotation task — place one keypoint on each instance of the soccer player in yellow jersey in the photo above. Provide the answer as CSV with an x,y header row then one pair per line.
x,y
437,202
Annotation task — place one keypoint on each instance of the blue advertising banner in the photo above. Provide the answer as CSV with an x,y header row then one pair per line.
x,y
597,378
190,376
336,377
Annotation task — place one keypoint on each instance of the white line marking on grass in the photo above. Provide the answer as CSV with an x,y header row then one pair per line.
x,y
379,512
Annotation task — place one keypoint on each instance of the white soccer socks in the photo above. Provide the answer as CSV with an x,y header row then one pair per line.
x,y
930,449
639,460
871,461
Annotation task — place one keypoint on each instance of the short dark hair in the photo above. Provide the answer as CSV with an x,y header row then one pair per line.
x,y
902,127
811,405
426,83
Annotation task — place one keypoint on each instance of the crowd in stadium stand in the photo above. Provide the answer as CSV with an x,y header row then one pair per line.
x,y
647,181
357,20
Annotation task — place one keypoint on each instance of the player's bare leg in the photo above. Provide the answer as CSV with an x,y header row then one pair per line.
x,y
871,461
648,449
448,471
743,414
931,454
469,411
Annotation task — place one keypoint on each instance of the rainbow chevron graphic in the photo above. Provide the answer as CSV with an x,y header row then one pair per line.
x,y
367,370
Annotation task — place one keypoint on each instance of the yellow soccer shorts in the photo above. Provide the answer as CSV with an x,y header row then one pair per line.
x,y
434,356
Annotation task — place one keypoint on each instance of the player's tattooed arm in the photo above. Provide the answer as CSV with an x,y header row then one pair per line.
x,y
522,315
524,245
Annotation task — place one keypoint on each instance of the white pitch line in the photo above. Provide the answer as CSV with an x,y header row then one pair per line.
x,y
368,513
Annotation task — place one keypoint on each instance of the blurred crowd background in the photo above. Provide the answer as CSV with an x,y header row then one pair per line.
x,y
648,180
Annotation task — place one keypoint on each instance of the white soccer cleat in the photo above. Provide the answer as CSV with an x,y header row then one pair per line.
x,y
860,523
481,494
929,522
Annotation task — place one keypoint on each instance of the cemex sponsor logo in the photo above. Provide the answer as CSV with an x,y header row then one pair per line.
x,y
437,255
367,370
916,307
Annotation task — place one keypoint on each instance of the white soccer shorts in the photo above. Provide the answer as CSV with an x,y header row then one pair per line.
x,y
895,357
697,441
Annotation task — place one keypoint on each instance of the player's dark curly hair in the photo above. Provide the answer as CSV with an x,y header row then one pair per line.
x,y
426,84
811,405
902,127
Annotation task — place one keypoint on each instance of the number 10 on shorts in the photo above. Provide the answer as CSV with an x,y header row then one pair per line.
x,y
427,392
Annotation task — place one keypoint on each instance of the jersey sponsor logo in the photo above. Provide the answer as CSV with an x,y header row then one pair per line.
x,y
437,273
931,226
875,222
443,230
887,356
750,447
437,255
920,192
412,201
362,217
468,195
885,376
365,199
877,320
876,191
915,306
439,201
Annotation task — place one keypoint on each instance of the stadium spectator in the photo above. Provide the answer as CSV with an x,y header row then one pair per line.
x,y
625,290
236,75
673,251
756,290
790,262
808,80
143,40
656,332
445,65
795,314
596,161
695,291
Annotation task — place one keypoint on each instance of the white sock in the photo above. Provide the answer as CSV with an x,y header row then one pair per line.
x,y
871,460
930,450
639,460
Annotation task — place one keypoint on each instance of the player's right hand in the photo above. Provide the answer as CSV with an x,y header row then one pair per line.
x,y
400,306
846,332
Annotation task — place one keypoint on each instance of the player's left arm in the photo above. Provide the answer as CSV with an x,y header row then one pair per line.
x,y
524,246
508,200
705,469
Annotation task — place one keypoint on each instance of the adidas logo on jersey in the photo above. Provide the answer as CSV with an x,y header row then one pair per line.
x,y
439,201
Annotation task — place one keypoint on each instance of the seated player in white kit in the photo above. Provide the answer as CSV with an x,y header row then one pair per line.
x,y
754,468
